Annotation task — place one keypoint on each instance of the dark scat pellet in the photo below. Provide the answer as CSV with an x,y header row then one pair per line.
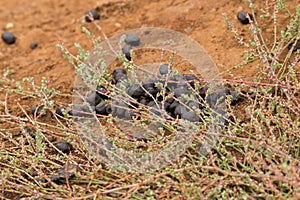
x,y
36,110
60,111
223,93
92,13
152,88
135,91
27,130
242,17
33,45
179,110
119,70
65,172
203,91
102,92
132,40
212,99
296,47
103,109
63,146
181,91
164,69
190,116
156,109
144,101
8,37
118,109
191,79
173,105
119,74
81,111
236,97
93,99
126,51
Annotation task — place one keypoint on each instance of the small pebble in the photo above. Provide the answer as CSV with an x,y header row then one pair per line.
x,y
9,25
118,25
8,37
132,40
92,13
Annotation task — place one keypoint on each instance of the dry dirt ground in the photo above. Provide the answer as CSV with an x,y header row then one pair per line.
x,y
52,22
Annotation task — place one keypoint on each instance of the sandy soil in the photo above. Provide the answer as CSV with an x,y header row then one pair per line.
x,y
60,21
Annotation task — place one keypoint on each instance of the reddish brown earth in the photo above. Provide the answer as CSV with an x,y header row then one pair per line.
x,y
59,21
52,22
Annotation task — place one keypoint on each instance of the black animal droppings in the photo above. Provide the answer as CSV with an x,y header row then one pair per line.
x,y
164,69
191,79
36,110
8,37
119,74
102,92
33,45
103,108
203,91
242,17
297,45
132,40
66,172
126,51
81,111
93,99
135,91
190,116
63,146
60,111
92,13
181,91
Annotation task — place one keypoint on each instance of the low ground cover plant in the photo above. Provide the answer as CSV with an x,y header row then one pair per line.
x,y
255,156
